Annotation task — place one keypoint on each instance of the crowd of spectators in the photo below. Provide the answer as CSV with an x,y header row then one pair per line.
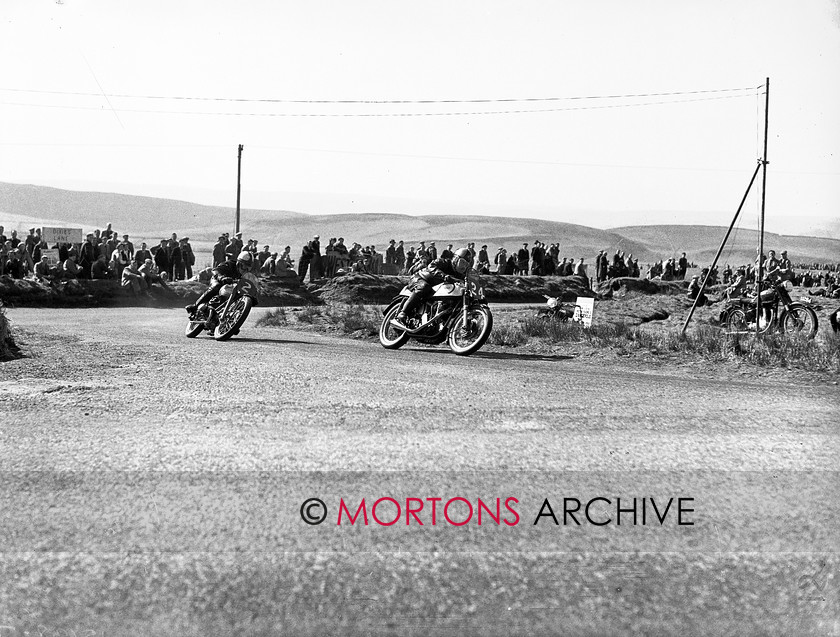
x,y
104,254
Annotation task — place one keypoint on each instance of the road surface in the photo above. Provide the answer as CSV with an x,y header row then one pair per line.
x,y
154,485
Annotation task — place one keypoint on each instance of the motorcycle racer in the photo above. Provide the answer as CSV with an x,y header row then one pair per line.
x,y
423,281
224,273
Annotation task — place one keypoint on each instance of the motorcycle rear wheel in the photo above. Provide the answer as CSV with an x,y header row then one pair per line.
x,y
389,336
466,340
800,319
232,320
193,328
197,322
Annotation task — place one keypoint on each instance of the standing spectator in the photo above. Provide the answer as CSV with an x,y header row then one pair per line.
x,y
162,256
483,260
304,260
522,260
235,246
342,255
400,256
605,266
391,253
87,256
142,254
682,267
500,259
219,250
431,252
111,244
128,246
316,267
14,239
580,269
409,259
30,242
176,260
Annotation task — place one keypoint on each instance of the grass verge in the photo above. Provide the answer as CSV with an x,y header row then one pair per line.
x,y
821,354
356,320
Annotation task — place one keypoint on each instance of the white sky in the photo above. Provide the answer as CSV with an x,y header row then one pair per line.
x,y
678,162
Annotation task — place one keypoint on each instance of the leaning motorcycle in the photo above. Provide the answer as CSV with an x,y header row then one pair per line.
x,y
457,313
786,315
225,313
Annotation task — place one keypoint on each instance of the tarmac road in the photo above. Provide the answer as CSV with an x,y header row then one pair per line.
x,y
153,485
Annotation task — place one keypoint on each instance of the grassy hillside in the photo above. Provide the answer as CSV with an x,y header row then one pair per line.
x,y
702,242
150,219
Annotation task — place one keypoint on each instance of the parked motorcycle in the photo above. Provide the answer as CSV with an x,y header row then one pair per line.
x,y
225,313
555,310
457,313
786,315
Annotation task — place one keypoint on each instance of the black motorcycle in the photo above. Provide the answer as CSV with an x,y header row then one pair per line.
x,y
457,313
225,313
778,311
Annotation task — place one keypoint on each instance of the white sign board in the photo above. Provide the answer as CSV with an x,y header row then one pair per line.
x,y
61,235
587,308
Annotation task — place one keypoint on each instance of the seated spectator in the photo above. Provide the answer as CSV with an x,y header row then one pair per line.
x,y
694,291
132,278
14,265
269,265
70,269
151,274
100,269
43,271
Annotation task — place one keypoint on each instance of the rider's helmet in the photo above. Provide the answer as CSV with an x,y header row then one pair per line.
x,y
461,261
245,260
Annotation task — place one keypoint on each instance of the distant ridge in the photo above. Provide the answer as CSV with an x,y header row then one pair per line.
x,y
150,219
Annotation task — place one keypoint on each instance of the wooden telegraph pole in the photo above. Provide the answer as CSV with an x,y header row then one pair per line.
x,y
238,188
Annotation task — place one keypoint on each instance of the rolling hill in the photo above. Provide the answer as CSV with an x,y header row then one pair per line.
x,y
150,219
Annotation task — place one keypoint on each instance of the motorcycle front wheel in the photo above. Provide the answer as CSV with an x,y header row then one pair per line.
x,y
232,320
736,320
468,339
389,336
800,320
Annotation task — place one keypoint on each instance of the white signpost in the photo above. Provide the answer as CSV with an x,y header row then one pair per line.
x,y
587,308
62,235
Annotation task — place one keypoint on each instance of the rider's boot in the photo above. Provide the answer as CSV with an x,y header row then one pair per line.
x,y
413,301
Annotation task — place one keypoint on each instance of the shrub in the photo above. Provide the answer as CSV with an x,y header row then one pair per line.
x,y
273,318
8,348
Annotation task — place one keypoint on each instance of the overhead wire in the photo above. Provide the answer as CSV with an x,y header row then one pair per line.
x,y
417,101
376,115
